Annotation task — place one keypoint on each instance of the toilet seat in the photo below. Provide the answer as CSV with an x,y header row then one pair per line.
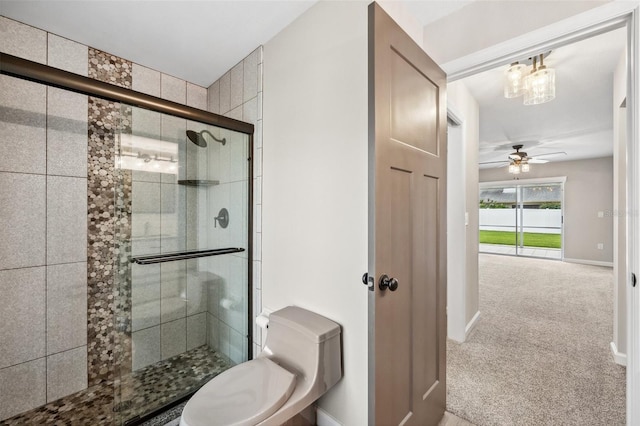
x,y
244,395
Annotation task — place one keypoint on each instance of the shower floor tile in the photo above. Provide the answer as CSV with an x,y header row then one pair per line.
x,y
136,394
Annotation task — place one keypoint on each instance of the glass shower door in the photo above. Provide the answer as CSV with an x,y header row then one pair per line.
x,y
183,257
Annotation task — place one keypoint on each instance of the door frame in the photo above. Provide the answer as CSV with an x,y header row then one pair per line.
x,y
581,26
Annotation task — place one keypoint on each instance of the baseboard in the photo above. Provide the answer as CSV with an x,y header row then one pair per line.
x,y
471,325
324,419
589,262
618,357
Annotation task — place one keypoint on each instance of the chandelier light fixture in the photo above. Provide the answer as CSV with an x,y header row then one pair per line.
x,y
538,86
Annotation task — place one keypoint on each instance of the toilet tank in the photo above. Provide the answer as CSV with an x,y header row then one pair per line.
x,y
306,342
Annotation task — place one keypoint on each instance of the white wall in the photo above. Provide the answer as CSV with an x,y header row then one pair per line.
x,y
456,235
482,24
315,181
620,271
587,191
461,99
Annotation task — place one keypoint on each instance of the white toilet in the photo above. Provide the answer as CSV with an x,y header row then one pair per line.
x,y
301,360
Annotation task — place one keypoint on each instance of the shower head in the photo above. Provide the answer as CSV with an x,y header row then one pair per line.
x,y
198,139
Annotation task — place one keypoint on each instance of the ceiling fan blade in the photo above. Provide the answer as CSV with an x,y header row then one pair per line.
x,y
549,153
537,161
494,162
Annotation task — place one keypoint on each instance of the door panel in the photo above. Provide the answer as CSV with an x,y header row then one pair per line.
x,y
396,306
408,228
413,106
426,322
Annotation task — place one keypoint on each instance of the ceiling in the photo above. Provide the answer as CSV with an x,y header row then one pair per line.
x,y
579,121
200,40
197,40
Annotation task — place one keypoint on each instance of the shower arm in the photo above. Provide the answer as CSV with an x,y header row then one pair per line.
x,y
223,141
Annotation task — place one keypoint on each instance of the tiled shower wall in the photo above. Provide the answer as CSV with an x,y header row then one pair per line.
x,y
51,296
43,226
238,94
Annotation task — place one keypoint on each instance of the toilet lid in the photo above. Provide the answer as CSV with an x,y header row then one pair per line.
x,y
243,395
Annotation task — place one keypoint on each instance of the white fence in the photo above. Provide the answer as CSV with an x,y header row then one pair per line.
x,y
534,220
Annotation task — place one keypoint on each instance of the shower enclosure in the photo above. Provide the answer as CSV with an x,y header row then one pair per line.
x,y
165,250
182,220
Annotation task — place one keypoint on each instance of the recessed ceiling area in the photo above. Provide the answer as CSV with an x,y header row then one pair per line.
x,y
579,121
197,41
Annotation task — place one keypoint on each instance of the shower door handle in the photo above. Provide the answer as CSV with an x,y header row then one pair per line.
x,y
388,283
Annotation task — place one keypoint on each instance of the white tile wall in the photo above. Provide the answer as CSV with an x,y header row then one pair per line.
x,y
145,296
22,387
225,93
22,315
196,330
23,126
173,290
145,80
66,219
196,96
213,98
66,306
173,89
67,55
22,220
146,347
43,141
22,40
236,86
66,133
173,339
66,373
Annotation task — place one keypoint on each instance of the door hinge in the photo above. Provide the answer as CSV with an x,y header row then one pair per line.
x,y
368,281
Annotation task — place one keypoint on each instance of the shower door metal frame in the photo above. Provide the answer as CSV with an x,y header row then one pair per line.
x,y
43,74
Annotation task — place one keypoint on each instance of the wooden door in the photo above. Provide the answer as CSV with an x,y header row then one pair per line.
x,y
407,240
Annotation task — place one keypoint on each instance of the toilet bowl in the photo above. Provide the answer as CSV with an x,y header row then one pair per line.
x,y
301,360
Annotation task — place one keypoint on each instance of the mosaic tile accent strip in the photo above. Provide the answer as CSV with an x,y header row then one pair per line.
x,y
109,68
146,390
108,345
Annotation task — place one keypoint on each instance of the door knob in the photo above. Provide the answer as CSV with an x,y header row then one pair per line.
x,y
388,283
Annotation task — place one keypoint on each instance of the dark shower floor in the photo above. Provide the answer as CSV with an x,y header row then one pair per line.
x,y
137,394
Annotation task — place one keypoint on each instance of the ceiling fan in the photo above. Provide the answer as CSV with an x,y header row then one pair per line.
x,y
519,160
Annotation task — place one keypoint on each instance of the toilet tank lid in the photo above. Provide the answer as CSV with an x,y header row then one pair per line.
x,y
314,326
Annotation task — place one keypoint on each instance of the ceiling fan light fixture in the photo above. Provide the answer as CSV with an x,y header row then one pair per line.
x,y
514,169
525,168
514,80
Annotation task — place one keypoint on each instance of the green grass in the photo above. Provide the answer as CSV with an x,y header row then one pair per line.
x,y
531,239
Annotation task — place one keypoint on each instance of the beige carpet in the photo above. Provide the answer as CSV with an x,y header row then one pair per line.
x,y
540,353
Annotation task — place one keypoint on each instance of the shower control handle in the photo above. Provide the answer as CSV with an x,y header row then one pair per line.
x,y
222,219
388,283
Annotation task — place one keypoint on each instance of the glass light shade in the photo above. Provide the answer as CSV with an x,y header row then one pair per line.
x,y
514,168
540,86
524,167
514,80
